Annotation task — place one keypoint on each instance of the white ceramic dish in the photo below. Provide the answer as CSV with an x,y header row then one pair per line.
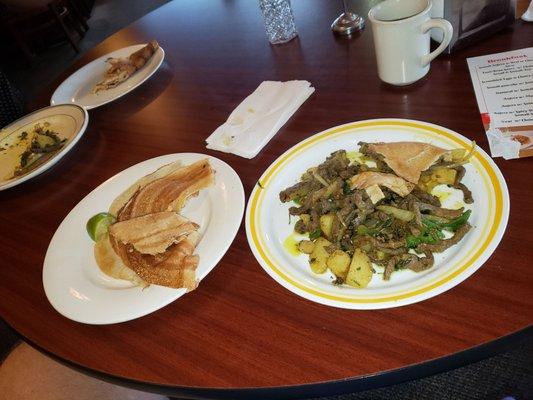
x,y
77,88
68,121
267,219
77,288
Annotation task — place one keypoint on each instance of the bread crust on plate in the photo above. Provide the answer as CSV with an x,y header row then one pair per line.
x,y
151,242
408,159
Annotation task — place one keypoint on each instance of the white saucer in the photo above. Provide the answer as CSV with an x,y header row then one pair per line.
x,y
78,87
68,121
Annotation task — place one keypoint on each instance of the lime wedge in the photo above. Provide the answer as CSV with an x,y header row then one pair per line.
x,y
98,224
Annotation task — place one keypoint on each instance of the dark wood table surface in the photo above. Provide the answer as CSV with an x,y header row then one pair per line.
x,y
240,333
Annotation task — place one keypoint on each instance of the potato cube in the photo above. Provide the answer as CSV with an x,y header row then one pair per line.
x,y
306,246
306,218
339,263
319,256
360,272
445,176
326,224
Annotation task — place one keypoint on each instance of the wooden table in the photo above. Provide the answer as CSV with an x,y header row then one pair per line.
x,y
241,334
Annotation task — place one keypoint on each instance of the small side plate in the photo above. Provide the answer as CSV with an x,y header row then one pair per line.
x,y
69,121
78,87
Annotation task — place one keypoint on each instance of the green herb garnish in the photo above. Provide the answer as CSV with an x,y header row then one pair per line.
x,y
346,188
452,226
315,234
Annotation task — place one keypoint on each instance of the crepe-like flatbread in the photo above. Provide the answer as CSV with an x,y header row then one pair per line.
x,y
176,267
123,198
368,179
141,56
170,192
150,242
120,69
111,264
408,159
153,233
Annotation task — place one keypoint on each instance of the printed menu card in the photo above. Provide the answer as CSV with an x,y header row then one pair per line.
x,y
503,84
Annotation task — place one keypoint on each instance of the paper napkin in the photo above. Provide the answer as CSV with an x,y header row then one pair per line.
x,y
502,145
258,118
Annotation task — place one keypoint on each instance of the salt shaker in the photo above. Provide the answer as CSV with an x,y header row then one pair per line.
x,y
279,21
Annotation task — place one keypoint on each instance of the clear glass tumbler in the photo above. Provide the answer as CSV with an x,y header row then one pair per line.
x,y
279,21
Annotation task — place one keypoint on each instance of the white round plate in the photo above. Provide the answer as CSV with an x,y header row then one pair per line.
x,y
78,87
267,219
77,288
68,121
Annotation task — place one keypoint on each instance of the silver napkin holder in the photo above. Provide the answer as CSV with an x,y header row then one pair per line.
x,y
472,20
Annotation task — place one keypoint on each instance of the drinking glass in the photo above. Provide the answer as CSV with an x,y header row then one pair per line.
x,y
279,21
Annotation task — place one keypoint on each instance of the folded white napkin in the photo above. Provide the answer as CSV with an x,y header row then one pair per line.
x,y
257,119
502,145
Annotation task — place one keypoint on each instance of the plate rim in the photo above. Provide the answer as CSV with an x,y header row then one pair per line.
x,y
459,275
105,56
59,155
177,293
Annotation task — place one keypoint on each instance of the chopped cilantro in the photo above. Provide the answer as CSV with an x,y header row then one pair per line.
x,y
315,234
346,188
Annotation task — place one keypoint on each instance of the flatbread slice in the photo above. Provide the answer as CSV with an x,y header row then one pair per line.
x,y
124,197
369,179
169,192
153,233
121,69
111,264
176,267
151,243
408,159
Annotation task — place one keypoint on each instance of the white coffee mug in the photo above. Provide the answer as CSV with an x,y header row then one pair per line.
x,y
401,39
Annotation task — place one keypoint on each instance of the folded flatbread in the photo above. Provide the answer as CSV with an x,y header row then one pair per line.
x,y
168,193
369,179
120,69
408,159
150,242
111,264
153,233
176,267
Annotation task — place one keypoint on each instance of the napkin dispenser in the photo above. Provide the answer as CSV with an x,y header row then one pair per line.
x,y
472,20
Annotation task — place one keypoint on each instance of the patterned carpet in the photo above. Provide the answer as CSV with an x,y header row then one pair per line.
x,y
506,376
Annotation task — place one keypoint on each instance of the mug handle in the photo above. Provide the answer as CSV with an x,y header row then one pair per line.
x,y
448,32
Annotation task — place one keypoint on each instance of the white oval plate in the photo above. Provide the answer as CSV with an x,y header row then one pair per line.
x,y
77,288
68,121
267,219
77,88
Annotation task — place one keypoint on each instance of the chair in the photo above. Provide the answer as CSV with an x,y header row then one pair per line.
x,y
32,27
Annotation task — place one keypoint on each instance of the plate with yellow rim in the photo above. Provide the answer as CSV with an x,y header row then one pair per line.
x,y
269,229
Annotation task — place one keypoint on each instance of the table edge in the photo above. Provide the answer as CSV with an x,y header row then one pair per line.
x,y
316,389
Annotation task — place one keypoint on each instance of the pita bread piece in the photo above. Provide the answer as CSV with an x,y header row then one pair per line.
x,y
408,159
369,179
